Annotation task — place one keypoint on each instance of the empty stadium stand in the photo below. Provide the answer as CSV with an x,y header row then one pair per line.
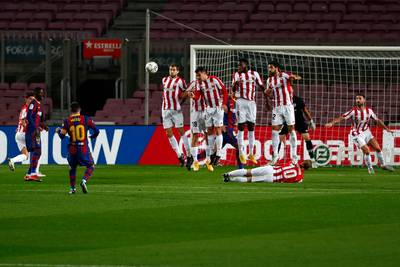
x,y
57,18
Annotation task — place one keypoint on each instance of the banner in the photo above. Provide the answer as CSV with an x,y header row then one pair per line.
x,y
149,145
103,47
30,50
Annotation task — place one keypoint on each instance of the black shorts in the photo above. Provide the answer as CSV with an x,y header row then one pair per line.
x,y
300,127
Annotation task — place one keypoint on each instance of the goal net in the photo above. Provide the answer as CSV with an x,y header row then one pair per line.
x,y
331,76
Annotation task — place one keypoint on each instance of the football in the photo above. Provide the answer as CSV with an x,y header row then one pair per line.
x,y
151,67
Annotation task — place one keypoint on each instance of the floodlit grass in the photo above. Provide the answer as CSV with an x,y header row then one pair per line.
x,y
167,216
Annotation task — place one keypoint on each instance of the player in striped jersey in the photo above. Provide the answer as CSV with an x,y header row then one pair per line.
x,y
20,135
279,87
244,84
291,173
197,120
174,89
361,116
215,97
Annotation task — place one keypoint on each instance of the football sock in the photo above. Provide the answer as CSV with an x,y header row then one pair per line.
x,y
251,142
380,158
210,147
186,144
237,173
72,177
293,144
240,138
275,142
193,152
19,158
88,172
263,178
218,142
175,146
367,159
239,179
34,160
38,166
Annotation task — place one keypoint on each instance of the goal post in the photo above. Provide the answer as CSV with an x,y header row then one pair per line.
x,y
331,76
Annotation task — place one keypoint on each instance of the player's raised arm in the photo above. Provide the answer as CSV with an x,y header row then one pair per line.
x,y
380,122
345,116
62,132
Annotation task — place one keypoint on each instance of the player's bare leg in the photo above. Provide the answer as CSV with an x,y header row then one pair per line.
x,y
293,144
375,145
275,144
367,159
189,158
211,141
175,146
251,137
20,158
240,138
281,146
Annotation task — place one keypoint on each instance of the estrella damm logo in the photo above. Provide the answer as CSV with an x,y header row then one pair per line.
x,y
322,155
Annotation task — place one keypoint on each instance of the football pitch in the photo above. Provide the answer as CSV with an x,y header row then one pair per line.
x,y
167,216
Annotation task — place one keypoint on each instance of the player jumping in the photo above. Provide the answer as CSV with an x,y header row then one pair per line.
x,y
280,88
174,89
244,88
215,96
197,120
292,173
35,125
20,135
228,133
77,126
361,134
301,125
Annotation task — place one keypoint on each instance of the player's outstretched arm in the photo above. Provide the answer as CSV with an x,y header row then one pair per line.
x,y
61,132
335,121
295,77
383,125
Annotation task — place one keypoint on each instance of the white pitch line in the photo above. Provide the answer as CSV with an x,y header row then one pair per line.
x,y
61,265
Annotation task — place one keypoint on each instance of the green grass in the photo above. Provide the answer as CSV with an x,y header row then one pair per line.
x,y
166,216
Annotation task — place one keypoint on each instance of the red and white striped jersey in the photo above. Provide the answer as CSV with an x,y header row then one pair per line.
x,y
213,91
173,88
282,89
288,174
247,84
360,118
22,119
199,104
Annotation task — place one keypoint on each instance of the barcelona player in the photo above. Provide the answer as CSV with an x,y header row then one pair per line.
x,y
35,124
77,126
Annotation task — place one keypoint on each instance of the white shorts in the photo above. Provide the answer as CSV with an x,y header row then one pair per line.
x,y
20,140
214,117
362,139
197,122
172,118
282,114
262,174
246,110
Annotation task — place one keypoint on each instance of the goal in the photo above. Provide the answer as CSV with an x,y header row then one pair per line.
x,y
331,76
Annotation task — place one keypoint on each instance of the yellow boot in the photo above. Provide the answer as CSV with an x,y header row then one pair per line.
x,y
209,166
196,166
